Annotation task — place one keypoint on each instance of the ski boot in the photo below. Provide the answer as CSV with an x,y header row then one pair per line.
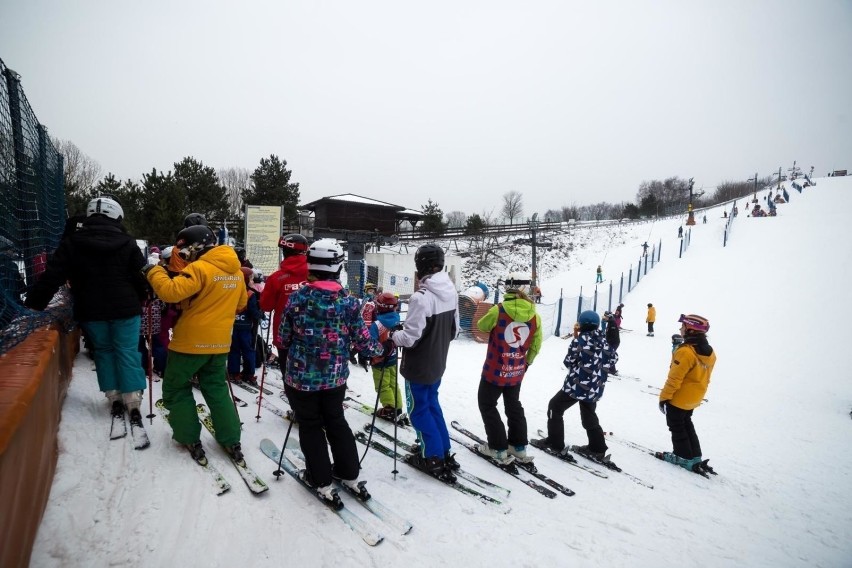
x,y
197,453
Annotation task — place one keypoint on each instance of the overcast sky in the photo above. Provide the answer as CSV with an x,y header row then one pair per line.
x,y
567,102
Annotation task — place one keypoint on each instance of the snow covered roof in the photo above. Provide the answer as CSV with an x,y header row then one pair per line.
x,y
351,197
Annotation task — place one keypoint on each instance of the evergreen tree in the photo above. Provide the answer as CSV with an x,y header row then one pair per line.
x,y
272,186
201,190
433,220
474,225
163,208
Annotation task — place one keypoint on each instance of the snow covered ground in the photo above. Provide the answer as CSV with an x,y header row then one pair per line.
x,y
776,428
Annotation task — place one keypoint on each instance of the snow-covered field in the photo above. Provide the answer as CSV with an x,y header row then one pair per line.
x,y
776,428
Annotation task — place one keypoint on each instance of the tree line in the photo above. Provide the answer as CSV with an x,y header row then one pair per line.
x,y
155,206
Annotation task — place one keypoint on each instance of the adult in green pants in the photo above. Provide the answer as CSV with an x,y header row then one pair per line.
x,y
210,290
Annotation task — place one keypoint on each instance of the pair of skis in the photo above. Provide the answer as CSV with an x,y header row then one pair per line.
x,y
704,470
293,463
255,484
457,485
606,462
512,468
118,430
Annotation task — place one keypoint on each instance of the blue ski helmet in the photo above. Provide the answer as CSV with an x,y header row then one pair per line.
x,y
589,320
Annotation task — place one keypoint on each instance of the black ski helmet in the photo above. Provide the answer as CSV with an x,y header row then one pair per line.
x,y
193,240
194,219
427,258
293,244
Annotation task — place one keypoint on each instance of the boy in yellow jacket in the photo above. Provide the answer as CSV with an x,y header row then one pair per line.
x,y
210,290
689,376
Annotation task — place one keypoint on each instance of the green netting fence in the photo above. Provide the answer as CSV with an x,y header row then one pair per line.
x,y
32,212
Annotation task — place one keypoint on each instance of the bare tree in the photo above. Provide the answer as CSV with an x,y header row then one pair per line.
x,y
456,219
81,172
570,212
237,181
513,206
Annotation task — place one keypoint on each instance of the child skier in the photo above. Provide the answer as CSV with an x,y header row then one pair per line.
x,y
320,325
384,368
514,340
689,376
589,360
244,334
650,319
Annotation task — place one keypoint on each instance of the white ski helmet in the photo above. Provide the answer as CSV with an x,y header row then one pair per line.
x,y
105,205
518,281
325,255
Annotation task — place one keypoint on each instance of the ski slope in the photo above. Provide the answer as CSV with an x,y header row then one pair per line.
x,y
776,428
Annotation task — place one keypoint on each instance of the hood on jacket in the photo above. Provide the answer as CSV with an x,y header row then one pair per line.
x,y
699,342
101,234
518,308
439,284
222,257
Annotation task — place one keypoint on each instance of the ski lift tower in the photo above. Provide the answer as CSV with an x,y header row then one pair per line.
x,y
533,225
690,220
754,179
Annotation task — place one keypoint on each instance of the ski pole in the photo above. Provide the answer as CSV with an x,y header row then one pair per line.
x,y
233,398
150,312
262,370
373,423
277,473
396,419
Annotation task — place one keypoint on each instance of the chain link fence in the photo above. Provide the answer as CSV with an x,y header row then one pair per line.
x,y
32,209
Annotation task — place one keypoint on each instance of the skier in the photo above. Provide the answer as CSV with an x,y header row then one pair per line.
x,y
211,290
617,315
102,263
677,341
432,322
650,319
514,340
599,277
645,248
680,232
689,376
10,276
292,273
243,335
320,325
176,261
613,336
590,358
368,311
384,368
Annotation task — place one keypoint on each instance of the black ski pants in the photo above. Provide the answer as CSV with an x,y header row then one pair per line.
x,y
320,418
684,439
557,406
487,397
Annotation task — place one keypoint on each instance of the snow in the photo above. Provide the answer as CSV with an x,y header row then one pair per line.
x,y
776,428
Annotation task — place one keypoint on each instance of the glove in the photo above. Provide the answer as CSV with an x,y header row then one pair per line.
x,y
146,269
663,407
388,348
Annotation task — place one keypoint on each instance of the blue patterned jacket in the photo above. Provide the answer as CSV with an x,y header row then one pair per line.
x,y
320,326
589,360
